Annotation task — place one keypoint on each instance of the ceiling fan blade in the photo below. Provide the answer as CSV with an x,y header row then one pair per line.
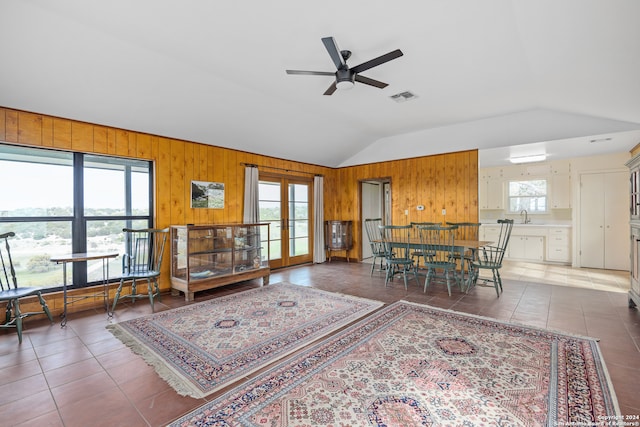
x,y
370,82
334,52
331,89
311,73
377,61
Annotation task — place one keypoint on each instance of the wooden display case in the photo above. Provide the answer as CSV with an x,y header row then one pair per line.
x,y
634,205
338,237
208,256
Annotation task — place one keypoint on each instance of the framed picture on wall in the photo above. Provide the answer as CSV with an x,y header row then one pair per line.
x,y
207,194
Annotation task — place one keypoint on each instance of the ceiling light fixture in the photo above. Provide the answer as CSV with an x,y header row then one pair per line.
x,y
345,79
528,159
600,140
344,85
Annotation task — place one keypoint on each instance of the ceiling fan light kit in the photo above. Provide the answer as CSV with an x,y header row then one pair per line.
x,y
344,85
345,76
344,79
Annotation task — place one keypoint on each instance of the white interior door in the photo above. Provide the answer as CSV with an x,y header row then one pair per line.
x,y
616,215
591,221
604,220
371,208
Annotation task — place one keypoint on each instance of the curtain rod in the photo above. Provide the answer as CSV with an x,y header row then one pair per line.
x,y
279,169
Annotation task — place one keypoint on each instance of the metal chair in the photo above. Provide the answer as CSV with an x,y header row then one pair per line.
x,y
142,261
11,293
395,239
438,244
371,226
490,257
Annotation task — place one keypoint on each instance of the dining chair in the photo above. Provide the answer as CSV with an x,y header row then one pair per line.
x,y
438,244
490,257
142,261
395,239
11,293
415,234
371,226
466,231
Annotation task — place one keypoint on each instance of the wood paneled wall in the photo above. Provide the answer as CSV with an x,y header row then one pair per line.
x,y
447,181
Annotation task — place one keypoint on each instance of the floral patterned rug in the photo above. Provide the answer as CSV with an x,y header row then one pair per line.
x,y
203,347
414,365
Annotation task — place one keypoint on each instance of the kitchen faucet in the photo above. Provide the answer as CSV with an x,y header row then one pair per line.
x,y
526,216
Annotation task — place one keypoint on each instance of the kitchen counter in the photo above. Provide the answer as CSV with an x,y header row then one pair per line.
x,y
548,243
535,224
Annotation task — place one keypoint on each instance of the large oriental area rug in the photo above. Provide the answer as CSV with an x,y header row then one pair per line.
x,y
413,365
203,347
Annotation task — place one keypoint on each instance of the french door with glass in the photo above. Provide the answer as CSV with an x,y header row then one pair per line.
x,y
285,203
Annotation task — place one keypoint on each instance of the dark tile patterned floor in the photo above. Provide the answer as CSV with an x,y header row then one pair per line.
x,y
82,376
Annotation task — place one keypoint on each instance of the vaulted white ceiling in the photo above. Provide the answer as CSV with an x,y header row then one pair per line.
x,y
498,75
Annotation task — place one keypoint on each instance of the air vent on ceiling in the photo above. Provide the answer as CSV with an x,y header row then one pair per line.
x,y
600,140
403,96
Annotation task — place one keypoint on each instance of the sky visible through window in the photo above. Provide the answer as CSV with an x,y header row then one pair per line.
x,y
26,185
39,184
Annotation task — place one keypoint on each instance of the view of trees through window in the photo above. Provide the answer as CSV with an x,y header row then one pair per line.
x,y
60,203
528,195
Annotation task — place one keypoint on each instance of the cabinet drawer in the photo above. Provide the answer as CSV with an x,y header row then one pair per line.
x,y
529,230
558,231
558,253
490,233
558,240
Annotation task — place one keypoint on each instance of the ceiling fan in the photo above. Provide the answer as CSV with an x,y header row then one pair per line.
x,y
345,76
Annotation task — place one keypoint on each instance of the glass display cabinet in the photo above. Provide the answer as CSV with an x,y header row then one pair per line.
x,y
208,256
338,237
634,204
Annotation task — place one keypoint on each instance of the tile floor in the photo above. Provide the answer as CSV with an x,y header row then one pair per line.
x,y
82,376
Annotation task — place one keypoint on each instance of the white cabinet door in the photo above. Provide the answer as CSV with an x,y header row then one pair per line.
x,y
528,248
516,247
483,201
604,220
534,248
491,194
560,191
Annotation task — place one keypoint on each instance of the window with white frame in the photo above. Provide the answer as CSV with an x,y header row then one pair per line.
x,y
529,195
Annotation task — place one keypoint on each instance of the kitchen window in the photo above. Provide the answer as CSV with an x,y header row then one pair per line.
x,y
530,195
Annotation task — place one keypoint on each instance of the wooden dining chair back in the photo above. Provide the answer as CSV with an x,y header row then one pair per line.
x,y
11,294
142,260
438,245
466,231
416,254
372,228
490,257
396,244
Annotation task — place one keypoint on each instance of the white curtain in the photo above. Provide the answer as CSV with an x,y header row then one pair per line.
x,y
319,254
251,213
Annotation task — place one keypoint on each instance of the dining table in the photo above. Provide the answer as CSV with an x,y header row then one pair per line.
x,y
459,246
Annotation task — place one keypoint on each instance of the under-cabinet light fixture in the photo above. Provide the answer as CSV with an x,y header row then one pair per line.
x,y
529,159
